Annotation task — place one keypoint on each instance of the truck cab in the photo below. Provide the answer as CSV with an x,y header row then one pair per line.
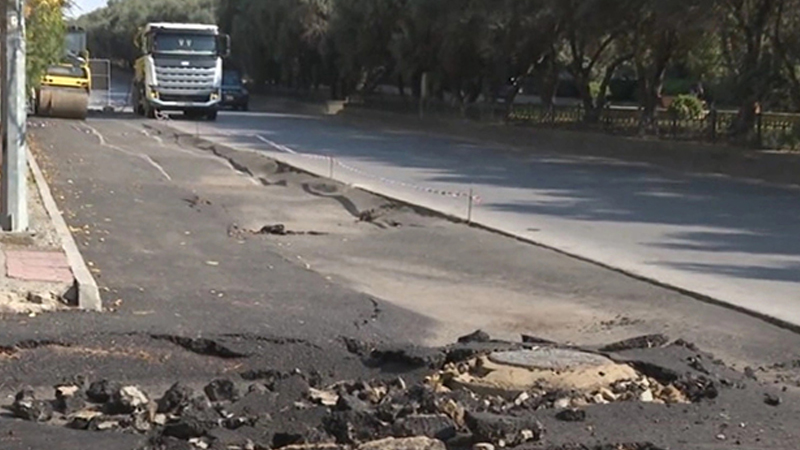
x,y
180,69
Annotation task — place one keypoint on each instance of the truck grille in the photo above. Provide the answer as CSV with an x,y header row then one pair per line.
x,y
185,77
184,98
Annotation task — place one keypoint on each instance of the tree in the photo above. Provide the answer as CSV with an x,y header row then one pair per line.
x,y
593,30
44,35
111,30
747,31
664,30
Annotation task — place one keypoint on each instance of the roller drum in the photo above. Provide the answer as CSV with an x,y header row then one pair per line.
x,y
63,103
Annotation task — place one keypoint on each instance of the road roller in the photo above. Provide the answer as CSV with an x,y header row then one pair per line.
x,y
65,88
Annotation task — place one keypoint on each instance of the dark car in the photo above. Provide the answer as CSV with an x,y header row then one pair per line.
x,y
234,94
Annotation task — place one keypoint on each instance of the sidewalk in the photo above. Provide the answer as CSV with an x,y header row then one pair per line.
x,y
36,276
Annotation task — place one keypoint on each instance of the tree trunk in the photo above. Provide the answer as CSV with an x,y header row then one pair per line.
x,y
416,84
745,123
651,84
401,87
548,84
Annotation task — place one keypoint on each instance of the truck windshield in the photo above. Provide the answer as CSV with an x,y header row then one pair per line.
x,y
194,43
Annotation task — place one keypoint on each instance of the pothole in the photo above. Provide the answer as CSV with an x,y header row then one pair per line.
x,y
553,377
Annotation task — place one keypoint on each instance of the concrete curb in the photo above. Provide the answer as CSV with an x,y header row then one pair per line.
x,y
85,284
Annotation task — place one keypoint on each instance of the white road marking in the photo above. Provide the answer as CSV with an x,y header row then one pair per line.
x,y
147,158
280,147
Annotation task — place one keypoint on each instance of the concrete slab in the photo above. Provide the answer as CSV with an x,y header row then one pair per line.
x,y
38,266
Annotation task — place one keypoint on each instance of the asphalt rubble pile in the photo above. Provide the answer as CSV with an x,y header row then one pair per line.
x,y
477,394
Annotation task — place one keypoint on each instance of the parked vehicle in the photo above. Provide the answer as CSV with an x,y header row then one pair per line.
x,y
234,93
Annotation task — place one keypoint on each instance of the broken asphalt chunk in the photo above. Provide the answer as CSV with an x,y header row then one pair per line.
x,y
407,357
69,399
322,397
275,230
176,398
127,400
222,390
640,342
477,336
187,426
772,400
697,388
437,426
102,391
504,431
571,415
81,420
27,407
528,339
353,427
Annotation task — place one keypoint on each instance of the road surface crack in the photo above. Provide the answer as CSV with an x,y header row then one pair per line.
x,y
200,346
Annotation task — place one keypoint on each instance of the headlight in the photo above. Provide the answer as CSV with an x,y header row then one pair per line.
x,y
151,91
215,95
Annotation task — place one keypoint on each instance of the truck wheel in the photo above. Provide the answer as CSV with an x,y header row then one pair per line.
x,y
211,115
149,112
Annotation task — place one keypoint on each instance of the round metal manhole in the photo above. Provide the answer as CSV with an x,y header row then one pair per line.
x,y
548,358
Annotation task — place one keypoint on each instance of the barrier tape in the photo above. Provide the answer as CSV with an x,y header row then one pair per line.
x,y
454,194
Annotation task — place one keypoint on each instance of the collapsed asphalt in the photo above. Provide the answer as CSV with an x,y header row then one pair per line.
x,y
406,391
197,294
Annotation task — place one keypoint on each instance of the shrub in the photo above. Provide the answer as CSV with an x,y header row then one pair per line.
x,y
687,107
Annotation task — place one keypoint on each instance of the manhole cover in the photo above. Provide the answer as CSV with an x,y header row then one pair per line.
x,y
549,359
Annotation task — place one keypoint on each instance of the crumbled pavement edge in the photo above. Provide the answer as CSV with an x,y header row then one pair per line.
x,y
412,400
86,289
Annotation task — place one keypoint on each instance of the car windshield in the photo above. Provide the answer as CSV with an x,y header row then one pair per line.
x,y
195,43
231,78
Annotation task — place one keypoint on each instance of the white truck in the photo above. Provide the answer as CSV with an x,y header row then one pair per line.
x,y
180,69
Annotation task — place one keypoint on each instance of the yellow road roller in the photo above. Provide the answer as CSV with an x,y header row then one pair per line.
x,y
65,88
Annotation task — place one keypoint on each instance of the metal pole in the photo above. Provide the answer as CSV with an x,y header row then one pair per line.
x,y
423,94
14,117
469,205
331,164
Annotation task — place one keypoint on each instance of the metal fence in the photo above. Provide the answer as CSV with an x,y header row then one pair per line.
x,y
101,83
770,130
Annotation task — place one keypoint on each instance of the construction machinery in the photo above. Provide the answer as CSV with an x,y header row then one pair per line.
x,y
180,69
65,88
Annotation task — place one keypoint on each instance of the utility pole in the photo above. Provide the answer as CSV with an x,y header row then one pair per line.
x,y
13,118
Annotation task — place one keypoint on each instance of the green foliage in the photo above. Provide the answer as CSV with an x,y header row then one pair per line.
x,y
44,34
687,107
789,139
111,30
471,49
595,88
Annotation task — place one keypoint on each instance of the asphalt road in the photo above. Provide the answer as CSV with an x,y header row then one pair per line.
x,y
164,225
728,240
